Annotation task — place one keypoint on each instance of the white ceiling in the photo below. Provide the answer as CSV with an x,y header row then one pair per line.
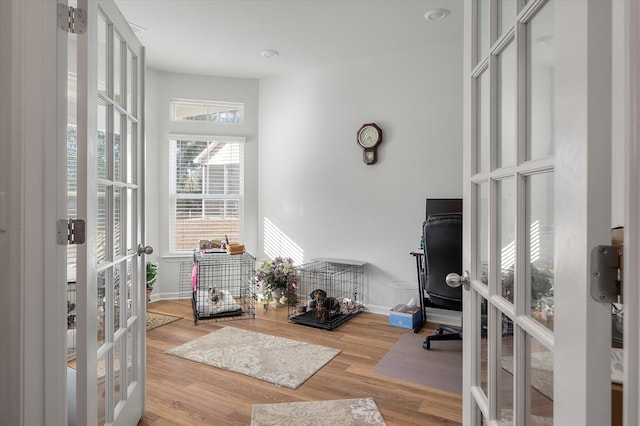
x,y
226,37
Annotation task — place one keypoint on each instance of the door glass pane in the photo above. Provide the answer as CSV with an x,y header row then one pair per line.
x,y
484,345
507,76
541,383
117,146
483,124
102,402
129,225
482,232
118,366
484,33
102,141
540,225
117,222
540,83
117,71
100,304
506,14
102,55
130,81
101,225
131,353
131,146
506,196
129,291
506,377
117,276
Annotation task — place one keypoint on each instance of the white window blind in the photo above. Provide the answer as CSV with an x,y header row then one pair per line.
x,y
207,190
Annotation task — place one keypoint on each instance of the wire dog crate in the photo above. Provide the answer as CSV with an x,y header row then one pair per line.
x,y
329,293
71,320
222,287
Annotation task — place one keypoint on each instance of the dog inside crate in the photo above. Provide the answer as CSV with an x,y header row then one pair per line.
x,y
215,301
328,294
325,307
222,287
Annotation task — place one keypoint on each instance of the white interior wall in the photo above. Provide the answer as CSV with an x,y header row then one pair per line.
x,y
315,188
309,160
161,88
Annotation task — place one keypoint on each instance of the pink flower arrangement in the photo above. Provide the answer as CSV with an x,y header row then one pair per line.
x,y
277,274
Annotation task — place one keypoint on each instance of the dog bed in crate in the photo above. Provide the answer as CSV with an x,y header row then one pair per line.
x,y
222,286
206,307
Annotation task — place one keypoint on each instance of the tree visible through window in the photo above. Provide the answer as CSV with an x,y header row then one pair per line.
x,y
207,181
212,111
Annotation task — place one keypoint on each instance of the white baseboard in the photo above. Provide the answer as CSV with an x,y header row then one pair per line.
x,y
435,316
174,295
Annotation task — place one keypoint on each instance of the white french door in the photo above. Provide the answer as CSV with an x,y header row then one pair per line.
x,y
110,267
537,199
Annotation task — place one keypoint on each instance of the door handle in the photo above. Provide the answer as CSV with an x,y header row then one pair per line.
x,y
454,280
144,249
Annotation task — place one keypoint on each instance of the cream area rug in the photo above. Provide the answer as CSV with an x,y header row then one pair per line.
x,y
283,362
343,412
155,320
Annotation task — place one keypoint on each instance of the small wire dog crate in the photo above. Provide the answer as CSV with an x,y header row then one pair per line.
x,y
71,320
222,287
329,293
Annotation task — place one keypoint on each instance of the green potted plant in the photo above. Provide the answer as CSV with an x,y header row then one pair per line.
x,y
152,275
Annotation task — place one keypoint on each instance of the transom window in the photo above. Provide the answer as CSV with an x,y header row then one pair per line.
x,y
206,190
211,111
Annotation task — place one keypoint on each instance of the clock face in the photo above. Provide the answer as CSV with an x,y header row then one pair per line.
x,y
368,136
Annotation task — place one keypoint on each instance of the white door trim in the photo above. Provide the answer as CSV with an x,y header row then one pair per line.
x,y
33,356
582,381
469,415
631,394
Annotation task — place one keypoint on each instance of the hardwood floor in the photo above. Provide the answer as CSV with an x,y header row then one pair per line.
x,y
182,392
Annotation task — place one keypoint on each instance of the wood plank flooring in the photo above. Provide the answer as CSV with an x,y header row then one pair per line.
x,y
182,392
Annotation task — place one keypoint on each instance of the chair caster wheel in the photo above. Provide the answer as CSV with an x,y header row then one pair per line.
x,y
426,345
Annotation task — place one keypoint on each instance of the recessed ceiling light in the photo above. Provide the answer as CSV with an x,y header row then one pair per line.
x,y
270,53
436,14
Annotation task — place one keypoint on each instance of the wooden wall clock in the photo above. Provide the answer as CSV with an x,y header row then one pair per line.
x,y
369,137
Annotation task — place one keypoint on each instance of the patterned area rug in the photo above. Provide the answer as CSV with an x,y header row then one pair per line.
x,y
343,412
283,362
155,320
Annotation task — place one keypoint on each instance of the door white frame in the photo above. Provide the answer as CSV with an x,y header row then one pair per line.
x,y
631,391
582,378
33,264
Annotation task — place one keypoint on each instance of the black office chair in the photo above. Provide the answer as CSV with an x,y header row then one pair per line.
x,y
442,235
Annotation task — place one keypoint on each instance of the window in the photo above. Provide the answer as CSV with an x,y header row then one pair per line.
x,y
206,190
211,111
